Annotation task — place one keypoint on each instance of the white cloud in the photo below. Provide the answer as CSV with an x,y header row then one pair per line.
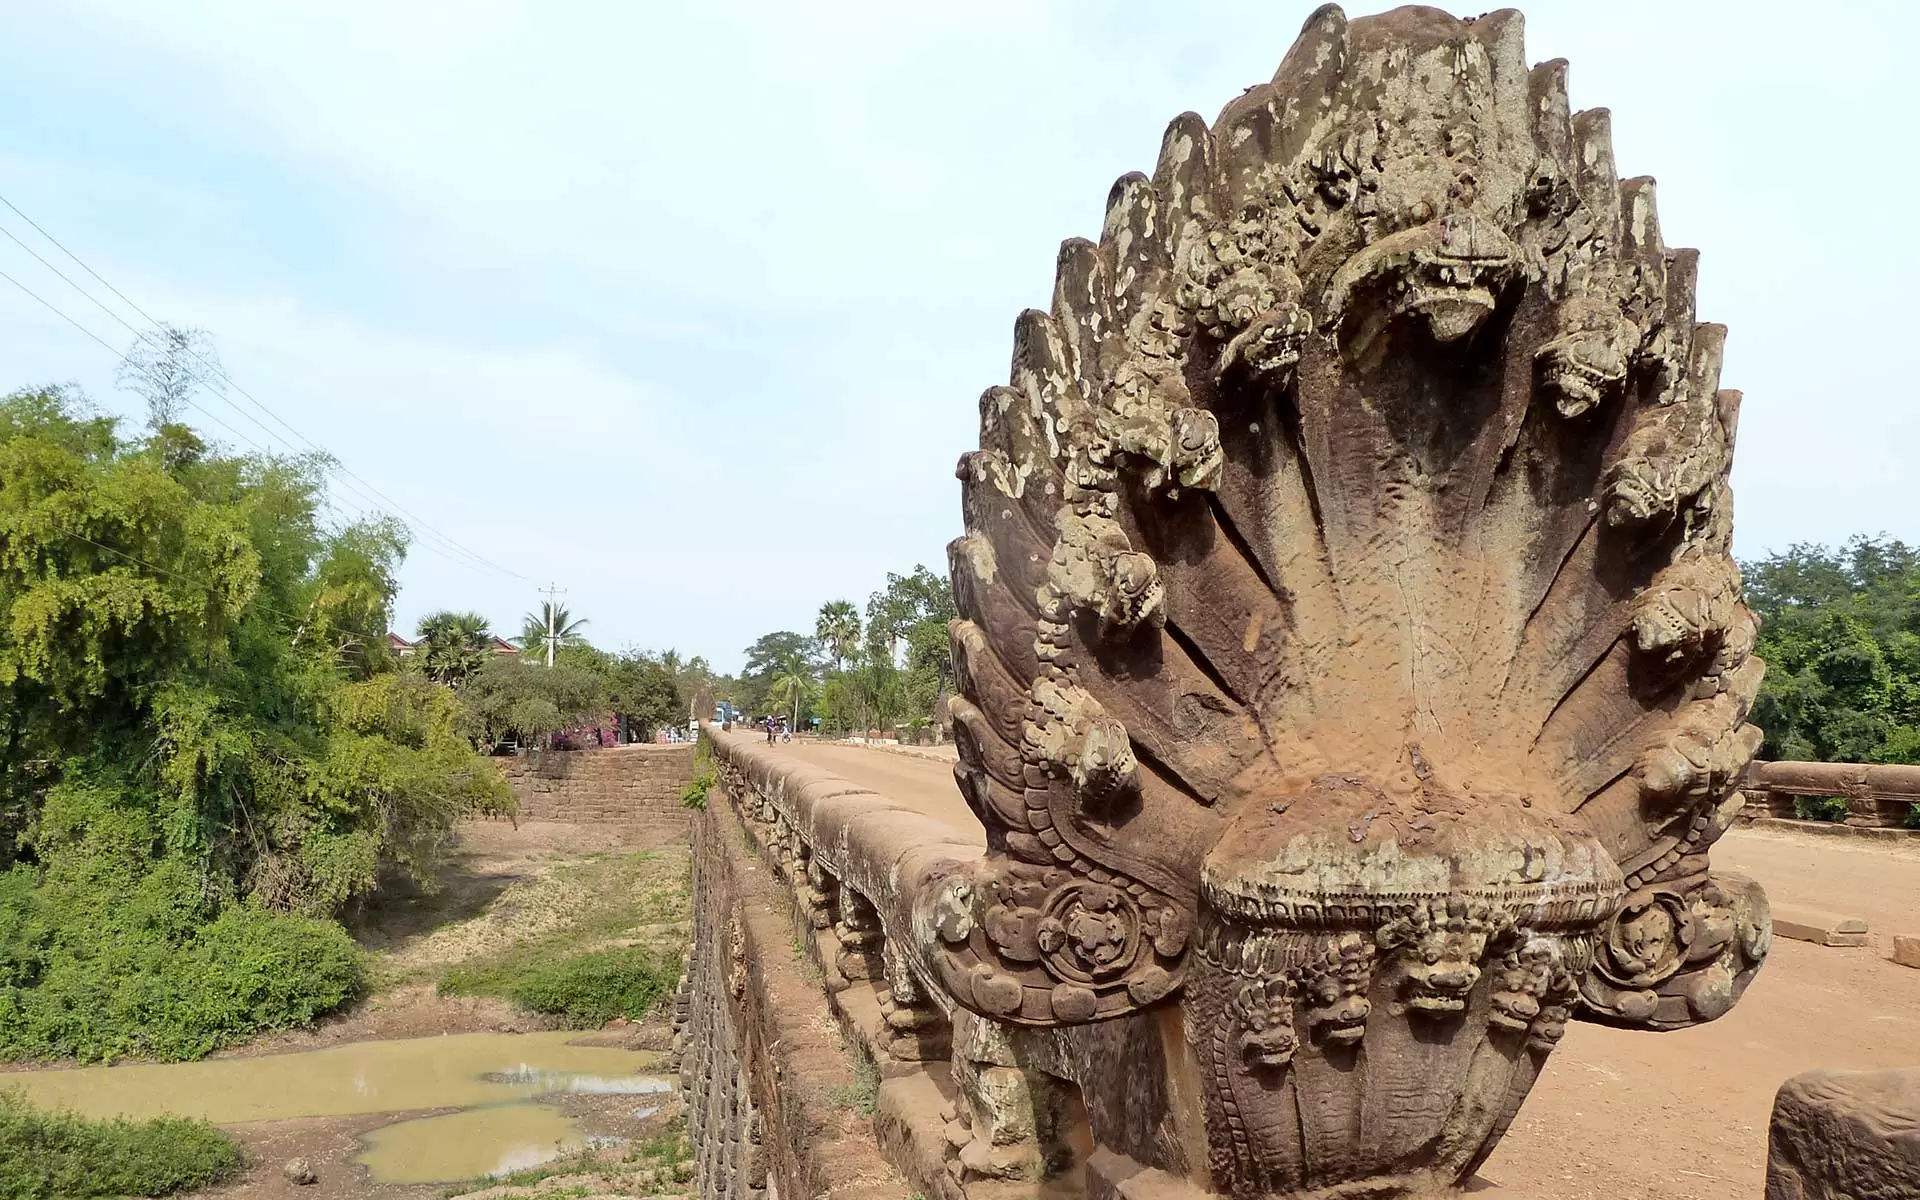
x,y
536,265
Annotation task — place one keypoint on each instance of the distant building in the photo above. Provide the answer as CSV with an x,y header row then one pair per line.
x,y
400,647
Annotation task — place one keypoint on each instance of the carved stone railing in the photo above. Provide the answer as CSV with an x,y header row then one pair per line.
x,y
797,878
964,1105
1878,796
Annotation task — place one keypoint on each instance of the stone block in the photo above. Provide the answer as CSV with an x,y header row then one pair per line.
x,y
1817,926
1852,1135
1906,951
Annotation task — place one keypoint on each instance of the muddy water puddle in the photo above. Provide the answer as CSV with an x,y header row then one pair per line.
x,y
492,1077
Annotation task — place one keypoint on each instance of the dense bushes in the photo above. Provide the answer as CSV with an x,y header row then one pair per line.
x,y
99,963
203,741
47,1155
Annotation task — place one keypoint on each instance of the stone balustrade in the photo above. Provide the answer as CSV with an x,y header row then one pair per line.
x,y
821,1057
959,1108
1877,795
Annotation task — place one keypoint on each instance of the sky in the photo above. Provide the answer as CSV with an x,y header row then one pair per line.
x,y
686,308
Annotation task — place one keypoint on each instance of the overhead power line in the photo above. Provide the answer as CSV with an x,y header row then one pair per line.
x,y
108,347
350,480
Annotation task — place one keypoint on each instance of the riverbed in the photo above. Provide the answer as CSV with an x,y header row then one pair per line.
x,y
493,1083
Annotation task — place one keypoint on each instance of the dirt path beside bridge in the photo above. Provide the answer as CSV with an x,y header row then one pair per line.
x,y
1622,1115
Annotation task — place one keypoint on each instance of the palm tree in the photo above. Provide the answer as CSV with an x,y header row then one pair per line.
x,y
838,630
453,644
566,631
792,682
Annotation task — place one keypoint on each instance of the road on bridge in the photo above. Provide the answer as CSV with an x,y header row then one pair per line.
x,y
1621,1115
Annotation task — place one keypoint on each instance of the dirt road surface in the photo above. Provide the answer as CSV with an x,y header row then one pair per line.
x,y
1621,1115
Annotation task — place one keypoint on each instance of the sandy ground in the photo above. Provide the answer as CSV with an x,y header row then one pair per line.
x,y
911,778
1621,1115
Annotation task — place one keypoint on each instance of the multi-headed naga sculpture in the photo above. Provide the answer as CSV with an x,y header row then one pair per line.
x,y
1354,673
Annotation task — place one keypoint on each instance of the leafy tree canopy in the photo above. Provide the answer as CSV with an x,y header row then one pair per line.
x,y
908,601
200,732
1840,631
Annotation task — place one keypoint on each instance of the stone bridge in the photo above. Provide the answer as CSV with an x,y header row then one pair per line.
x,y
819,1060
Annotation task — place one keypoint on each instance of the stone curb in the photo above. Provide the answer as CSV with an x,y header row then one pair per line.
x,y
1819,927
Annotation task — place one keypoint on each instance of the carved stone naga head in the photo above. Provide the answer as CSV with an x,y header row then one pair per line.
x,y
1353,669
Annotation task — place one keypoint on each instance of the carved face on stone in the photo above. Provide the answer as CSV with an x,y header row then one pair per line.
x,y
1265,1011
1519,985
1337,988
1443,954
1197,457
1094,936
1588,357
1642,943
1446,274
1269,348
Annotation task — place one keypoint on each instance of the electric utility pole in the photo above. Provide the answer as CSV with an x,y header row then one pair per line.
x,y
550,591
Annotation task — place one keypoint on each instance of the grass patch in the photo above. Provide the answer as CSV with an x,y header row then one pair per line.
x,y
694,795
585,989
57,1154
617,953
863,1094
705,773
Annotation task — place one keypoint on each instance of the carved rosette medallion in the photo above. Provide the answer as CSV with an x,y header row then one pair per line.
x,y
1352,669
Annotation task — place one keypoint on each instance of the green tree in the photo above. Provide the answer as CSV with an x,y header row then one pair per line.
x,y
792,684
1840,631
167,369
199,735
764,660
906,601
916,610
688,676
511,697
838,631
353,597
877,687
453,645
640,690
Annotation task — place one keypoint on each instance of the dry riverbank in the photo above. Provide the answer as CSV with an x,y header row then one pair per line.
x,y
545,915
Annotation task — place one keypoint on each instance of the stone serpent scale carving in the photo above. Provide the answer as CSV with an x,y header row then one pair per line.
x,y
1352,667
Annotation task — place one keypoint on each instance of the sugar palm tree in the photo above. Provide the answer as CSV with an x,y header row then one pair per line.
x,y
566,630
838,630
453,644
